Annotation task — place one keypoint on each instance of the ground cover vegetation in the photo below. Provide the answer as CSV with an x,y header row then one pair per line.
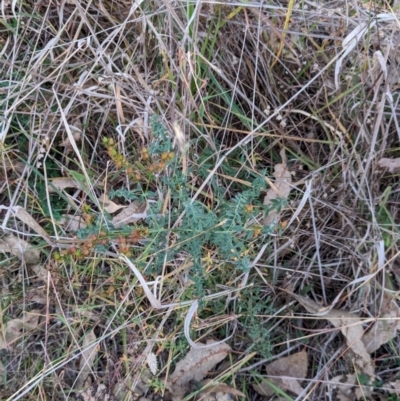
x,y
199,200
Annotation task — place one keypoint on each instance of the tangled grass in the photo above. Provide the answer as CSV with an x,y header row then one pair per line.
x,y
184,109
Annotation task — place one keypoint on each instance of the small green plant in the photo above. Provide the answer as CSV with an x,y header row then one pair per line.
x,y
250,309
231,230
149,161
219,237
157,385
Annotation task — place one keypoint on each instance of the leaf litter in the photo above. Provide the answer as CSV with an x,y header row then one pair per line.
x,y
131,214
348,388
96,392
290,369
15,328
20,248
62,183
72,222
220,388
361,342
24,251
351,327
385,328
109,206
26,218
393,165
280,189
195,367
197,364
88,356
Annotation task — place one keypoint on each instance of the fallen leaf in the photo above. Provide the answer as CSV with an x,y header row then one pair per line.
x,y
62,183
15,328
351,327
152,362
291,369
219,396
281,189
20,248
396,388
264,388
393,165
26,218
385,329
72,222
13,165
35,295
96,392
40,271
88,356
194,367
131,214
76,133
135,384
349,389
214,387
109,205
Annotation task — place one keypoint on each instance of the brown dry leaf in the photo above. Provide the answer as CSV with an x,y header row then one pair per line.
x,y
194,367
281,189
26,218
348,388
393,165
20,248
396,388
40,271
13,165
88,356
62,183
136,384
76,132
214,387
36,295
72,222
134,212
219,396
15,328
96,392
351,327
109,205
385,329
291,369
263,388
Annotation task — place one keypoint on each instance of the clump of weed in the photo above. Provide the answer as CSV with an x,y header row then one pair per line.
x,y
228,227
251,309
149,162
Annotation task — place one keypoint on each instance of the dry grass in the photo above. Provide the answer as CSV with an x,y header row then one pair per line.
x,y
235,87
